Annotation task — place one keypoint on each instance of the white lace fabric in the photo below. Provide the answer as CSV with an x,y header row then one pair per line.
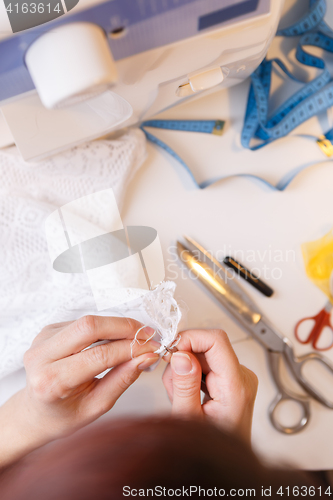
x,y
158,309
32,294
163,313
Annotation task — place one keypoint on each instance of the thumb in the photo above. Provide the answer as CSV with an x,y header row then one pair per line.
x,y
186,381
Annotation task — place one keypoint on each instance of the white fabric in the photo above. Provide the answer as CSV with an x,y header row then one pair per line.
x,y
158,309
163,313
32,294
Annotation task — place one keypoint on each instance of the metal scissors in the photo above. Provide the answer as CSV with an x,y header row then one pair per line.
x,y
321,320
230,294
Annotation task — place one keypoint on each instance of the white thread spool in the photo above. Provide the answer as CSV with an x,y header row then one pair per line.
x,y
70,64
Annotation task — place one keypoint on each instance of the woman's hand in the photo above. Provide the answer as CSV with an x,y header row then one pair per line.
x,y
62,393
231,386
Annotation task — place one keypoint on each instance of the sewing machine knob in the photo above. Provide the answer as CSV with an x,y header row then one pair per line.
x,y
202,80
70,64
205,79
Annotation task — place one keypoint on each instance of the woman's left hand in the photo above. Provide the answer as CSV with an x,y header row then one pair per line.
x,y
231,386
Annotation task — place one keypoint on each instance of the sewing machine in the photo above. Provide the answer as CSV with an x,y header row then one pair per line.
x,y
80,70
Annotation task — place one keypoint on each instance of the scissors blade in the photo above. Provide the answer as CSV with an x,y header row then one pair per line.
x,y
226,274
206,256
231,296
231,299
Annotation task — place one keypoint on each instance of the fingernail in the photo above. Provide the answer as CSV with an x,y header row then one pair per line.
x,y
154,344
144,347
181,363
149,330
148,362
146,333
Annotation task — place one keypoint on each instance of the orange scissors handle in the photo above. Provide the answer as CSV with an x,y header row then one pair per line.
x,y
321,320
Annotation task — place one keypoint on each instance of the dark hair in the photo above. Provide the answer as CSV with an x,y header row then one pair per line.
x,y
99,461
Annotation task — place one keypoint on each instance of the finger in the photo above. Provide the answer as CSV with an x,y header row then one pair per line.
x,y
215,345
167,375
233,411
48,331
186,381
167,381
87,330
117,381
167,357
200,357
251,379
84,366
203,362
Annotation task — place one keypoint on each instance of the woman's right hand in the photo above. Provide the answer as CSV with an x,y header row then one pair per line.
x,y
62,392
232,387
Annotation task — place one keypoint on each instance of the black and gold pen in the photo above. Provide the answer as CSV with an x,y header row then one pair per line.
x,y
248,276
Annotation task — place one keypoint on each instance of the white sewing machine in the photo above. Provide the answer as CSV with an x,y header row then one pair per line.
x,y
77,70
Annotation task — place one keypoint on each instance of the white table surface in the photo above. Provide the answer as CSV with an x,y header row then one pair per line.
x,y
263,226
241,218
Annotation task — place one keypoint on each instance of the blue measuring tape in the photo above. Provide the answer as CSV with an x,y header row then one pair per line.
x,y
311,99
314,97
208,126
